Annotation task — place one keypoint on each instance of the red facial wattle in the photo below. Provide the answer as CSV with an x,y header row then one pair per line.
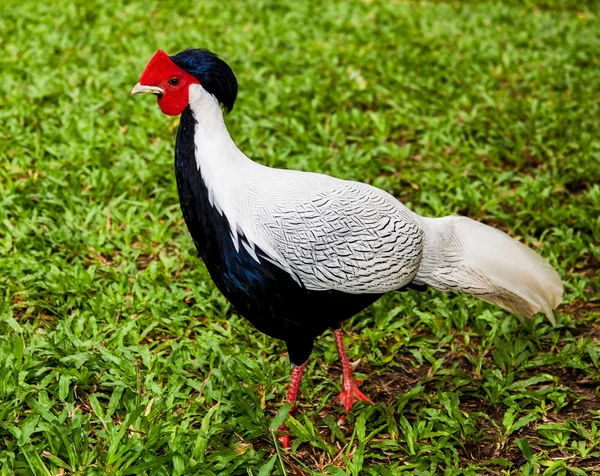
x,y
174,81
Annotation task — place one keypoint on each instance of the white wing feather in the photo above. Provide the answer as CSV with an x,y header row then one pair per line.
x,y
352,238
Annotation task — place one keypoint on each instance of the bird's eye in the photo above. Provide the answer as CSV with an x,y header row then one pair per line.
x,y
173,81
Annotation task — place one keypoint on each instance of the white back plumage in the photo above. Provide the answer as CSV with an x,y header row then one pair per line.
x,y
347,236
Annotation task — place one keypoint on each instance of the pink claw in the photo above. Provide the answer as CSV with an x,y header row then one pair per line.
x,y
284,437
352,394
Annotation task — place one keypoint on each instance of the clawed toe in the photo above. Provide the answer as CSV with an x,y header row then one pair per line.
x,y
351,394
284,437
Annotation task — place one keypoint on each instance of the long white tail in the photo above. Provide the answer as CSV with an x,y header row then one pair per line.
x,y
464,255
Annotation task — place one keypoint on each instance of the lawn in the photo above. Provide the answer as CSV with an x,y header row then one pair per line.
x,y
119,356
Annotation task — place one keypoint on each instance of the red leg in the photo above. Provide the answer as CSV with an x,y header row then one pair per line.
x,y
296,378
350,393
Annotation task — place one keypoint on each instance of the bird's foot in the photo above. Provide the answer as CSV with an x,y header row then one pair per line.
x,y
283,433
284,436
352,394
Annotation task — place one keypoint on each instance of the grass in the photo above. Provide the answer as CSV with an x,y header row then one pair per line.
x,y
118,355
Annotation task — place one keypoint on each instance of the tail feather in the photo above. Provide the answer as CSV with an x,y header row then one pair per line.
x,y
464,255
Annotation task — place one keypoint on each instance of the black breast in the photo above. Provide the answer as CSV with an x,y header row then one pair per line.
x,y
263,293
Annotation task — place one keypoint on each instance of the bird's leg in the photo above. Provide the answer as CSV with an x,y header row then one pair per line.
x,y
292,394
350,392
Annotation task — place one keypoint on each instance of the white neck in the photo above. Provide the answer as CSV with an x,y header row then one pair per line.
x,y
213,142
218,159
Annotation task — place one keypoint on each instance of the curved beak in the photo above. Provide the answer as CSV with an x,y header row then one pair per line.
x,y
140,88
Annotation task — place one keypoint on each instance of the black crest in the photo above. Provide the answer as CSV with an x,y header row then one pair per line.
x,y
214,74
